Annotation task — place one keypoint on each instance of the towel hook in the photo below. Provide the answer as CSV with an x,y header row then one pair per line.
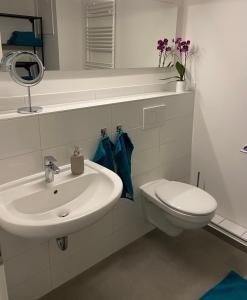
x,y
103,132
119,128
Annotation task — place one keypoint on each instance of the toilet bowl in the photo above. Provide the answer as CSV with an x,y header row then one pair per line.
x,y
174,206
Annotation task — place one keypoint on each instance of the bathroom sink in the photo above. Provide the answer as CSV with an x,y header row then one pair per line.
x,y
32,208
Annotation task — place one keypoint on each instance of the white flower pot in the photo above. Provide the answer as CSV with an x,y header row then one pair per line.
x,y
180,86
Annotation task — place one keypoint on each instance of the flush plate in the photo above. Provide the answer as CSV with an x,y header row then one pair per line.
x,y
153,116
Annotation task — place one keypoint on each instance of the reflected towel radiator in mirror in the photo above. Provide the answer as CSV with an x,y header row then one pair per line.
x,y
100,35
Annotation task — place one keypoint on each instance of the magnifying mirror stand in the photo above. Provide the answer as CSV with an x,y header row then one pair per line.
x,y
26,69
29,109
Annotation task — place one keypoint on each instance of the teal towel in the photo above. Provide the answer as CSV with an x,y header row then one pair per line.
x,y
27,35
27,77
24,38
25,42
233,287
104,153
123,152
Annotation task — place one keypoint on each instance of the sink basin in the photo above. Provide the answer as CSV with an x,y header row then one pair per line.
x,y
32,208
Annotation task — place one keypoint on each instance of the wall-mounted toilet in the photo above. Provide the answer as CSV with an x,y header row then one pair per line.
x,y
174,206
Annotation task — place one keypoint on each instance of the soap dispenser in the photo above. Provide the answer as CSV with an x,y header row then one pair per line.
x,y
77,162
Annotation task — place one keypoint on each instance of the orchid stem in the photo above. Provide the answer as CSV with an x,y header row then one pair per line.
x,y
185,65
164,61
160,57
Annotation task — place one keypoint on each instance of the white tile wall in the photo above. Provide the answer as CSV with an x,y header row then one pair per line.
x,y
20,166
63,153
19,136
57,98
181,168
145,161
144,139
126,213
153,116
92,234
25,265
176,130
128,234
126,114
33,268
34,287
90,252
66,127
16,102
130,90
14,246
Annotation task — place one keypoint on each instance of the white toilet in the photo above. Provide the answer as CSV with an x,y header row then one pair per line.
x,y
174,206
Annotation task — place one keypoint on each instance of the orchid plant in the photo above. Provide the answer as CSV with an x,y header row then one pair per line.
x,y
164,51
180,51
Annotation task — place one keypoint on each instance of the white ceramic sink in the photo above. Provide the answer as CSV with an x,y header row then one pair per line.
x,y
32,208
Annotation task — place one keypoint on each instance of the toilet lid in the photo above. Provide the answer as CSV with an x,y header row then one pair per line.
x,y
186,198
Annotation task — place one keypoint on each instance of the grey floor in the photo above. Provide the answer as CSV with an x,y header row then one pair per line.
x,y
157,267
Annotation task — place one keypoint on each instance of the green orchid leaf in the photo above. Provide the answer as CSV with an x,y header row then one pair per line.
x,y
173,77
181,70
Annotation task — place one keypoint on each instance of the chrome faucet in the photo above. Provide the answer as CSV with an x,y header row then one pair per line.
x,y
50,168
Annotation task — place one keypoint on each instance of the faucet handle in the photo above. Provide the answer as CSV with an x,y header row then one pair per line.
x,y
49,159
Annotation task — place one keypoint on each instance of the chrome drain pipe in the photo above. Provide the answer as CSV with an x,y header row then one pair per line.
x,y
62,243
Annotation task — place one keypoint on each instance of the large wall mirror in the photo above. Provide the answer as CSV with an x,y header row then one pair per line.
x,y
88,34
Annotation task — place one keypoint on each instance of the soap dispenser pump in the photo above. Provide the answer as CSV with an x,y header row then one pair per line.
x,y
77,162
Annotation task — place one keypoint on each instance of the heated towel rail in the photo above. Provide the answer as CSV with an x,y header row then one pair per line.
x,y
100,35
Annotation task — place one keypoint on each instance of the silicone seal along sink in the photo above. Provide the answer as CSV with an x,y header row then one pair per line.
x,y
32,208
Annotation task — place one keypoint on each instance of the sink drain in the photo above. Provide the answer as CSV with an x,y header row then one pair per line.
x,y
63,215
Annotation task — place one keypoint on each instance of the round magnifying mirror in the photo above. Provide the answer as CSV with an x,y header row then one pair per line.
x,y
26,69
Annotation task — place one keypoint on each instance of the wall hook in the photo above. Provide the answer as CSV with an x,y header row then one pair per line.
x,y
103,132
119,128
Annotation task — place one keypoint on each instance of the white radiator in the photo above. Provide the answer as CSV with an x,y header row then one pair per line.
x,y
100,35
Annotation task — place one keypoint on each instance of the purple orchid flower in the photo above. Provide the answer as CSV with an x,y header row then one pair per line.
x,y
161,48
161,45
178,40
164,48
184,48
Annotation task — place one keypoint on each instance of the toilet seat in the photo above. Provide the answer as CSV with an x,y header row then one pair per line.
x,y
185,198
174,206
